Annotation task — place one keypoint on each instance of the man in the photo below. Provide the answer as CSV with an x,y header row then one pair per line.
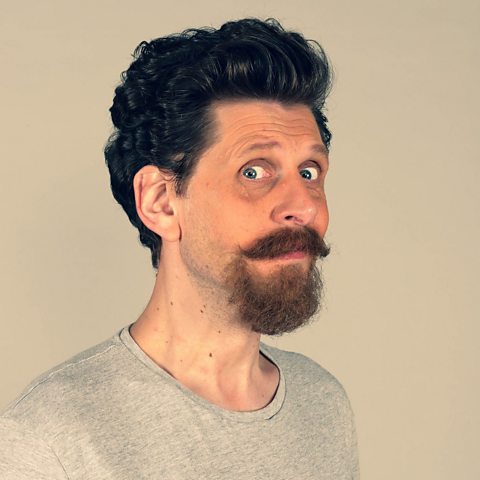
x,y
219,159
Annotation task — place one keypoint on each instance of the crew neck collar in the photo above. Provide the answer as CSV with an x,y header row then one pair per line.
x,y
265,413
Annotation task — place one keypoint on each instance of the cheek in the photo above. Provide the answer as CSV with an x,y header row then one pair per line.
x,y
211,219
227,215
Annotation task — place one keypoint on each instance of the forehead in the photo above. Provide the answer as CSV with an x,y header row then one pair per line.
x,y
239,124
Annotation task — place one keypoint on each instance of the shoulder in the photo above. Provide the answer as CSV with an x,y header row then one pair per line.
x,y
69,383
306,375
316,399
304,368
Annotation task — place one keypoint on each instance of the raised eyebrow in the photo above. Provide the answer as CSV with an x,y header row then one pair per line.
x,y
319,148
259,146
316,148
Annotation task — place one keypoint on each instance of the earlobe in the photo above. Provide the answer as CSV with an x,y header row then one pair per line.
x,y
154,200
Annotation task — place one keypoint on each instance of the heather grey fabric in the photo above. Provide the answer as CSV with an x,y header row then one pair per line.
x,y
112,413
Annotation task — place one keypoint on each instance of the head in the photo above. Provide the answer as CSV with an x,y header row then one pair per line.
x,y
162,110
176,110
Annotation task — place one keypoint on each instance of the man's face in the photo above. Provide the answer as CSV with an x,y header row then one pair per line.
x,y
255,213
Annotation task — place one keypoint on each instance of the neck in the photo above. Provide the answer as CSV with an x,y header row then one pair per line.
x,y
193,333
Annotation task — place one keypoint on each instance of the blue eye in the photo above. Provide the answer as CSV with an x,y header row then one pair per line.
x,y
309,173
252,173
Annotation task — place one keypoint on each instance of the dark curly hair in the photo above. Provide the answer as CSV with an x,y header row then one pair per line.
x,y
161,110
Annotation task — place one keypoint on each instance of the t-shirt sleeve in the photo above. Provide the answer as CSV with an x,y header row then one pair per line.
x,y
24,456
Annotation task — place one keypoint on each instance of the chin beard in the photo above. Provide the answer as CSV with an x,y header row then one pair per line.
x,y
276,303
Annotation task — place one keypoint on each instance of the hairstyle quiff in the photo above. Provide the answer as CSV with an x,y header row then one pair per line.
x,y
161,109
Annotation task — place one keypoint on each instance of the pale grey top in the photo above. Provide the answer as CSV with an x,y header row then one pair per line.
x,y
112,413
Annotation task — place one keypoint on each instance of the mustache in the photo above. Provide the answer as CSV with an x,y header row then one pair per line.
x,y
281,242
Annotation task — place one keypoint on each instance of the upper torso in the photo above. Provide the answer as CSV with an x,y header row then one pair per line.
x,y
111,413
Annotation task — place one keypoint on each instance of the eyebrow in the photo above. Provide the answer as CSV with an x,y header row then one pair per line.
x,y
316,148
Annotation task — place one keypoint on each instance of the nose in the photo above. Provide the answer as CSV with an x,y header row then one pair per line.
x,y
297,204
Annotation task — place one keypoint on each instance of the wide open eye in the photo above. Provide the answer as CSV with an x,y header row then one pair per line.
x,y
310,173
254,172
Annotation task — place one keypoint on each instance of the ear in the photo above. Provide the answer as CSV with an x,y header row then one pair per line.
x,y
154,199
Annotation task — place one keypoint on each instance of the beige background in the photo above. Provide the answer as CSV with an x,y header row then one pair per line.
x,y
400,328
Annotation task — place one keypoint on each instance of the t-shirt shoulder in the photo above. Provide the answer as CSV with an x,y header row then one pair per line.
x,y
66,383
302,372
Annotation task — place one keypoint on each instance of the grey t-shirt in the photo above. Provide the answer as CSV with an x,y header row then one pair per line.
x,y
112,413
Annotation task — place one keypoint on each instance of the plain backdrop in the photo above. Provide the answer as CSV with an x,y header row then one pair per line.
x,y
400,327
